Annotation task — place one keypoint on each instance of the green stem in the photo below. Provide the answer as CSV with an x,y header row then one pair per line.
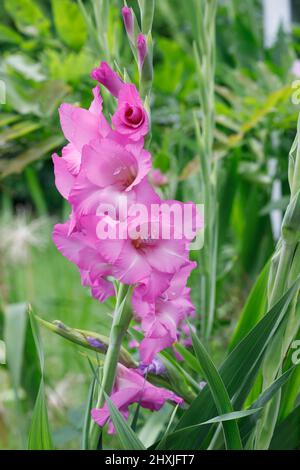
x,y
203,19
280,282
121,320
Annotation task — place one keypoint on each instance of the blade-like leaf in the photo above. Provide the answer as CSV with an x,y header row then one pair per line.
x,y
231,416
237,372
219,394
39,434
128,438
287,433
87,415
37,338
248,424
15,323
254,308
163,439
188,357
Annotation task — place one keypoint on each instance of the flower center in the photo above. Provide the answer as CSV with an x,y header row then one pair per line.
x,y
141,243
133,115
125,175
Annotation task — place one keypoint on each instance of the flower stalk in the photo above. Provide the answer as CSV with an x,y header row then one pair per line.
x,y
284,271
140,41
87,339
121,320
205,51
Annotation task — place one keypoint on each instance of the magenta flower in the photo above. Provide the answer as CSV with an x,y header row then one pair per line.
x,y
296,68
130,387
109,170
144,255
127,14
102,167
108,78
79,126
157,178
80,247
130,118
161,319
142,49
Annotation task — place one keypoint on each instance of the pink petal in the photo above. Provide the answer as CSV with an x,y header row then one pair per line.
x,y
69,246
72,158
79,125
96,110
64,180
107,77
131,266
167,255
107,163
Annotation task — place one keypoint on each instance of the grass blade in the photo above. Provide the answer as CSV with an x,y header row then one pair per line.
x,y
220,395
14,336
87,416
128,438
39,434
238,373
254,309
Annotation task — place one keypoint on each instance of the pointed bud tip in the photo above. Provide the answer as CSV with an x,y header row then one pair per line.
x,y
142,48
127,14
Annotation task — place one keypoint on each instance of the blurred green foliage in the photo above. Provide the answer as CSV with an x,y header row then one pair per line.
x,y
47,49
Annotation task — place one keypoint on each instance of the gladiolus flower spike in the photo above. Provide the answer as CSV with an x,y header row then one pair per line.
x,y
103,168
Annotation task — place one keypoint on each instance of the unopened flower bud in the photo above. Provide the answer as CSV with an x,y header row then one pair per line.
x,y
142,49
108,78
291,222
127,14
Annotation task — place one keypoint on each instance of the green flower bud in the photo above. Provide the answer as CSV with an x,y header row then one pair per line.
x,y
86,339
291,222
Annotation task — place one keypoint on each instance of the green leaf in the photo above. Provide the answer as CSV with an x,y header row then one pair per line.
x,y
189,358
163,439
37,339
35,152
69,23
287,433
18,130
237,372
219,393
128,438
8,35
39,437
254,308
6,118
248,424
15,324
26,67
87,415
27,16
39,434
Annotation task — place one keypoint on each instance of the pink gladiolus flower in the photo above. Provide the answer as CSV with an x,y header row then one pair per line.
x,y
127,14
130,118
161,319
157,178
144,255
80,247
108,78
109,170
80,126
142,49
130,387
296,68
101,167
